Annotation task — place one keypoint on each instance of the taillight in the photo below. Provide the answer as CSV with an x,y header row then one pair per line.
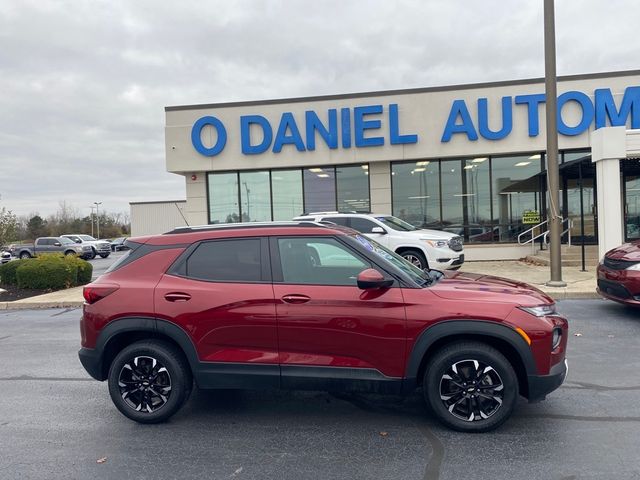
x,y
93,293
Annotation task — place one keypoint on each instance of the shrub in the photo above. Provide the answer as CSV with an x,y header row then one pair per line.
x,y
47,272
85,269
8,271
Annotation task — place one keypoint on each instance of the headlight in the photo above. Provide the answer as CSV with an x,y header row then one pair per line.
x,y
437,243
634,268
540,310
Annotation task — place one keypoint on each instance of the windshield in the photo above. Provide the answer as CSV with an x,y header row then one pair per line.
x,y
418,276
396,224
65,241
87,238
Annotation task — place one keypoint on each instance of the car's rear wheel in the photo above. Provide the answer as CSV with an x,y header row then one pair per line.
x,y
416,257
25,255
149,381
68,253
104,255
470,387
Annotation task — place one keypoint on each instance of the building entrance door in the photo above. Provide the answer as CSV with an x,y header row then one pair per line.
x,y
579,200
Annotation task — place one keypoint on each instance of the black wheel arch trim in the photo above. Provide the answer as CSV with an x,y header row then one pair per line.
x,y
453,328
157,328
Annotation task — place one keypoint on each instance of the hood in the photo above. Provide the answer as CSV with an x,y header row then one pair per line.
x,y
626,251
427,234
464,285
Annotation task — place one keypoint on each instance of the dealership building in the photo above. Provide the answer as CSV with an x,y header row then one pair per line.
x,y
467,158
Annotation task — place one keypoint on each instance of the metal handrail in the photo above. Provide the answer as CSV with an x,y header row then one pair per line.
x,y
544,234
533,236
568,229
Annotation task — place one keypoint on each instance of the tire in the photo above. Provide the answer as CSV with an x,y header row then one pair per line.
x,y
104,255
69,253
470,407
93,253
25,255
416,257
144,403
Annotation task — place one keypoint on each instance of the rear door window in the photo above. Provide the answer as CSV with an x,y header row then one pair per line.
x,y
234,260
362,225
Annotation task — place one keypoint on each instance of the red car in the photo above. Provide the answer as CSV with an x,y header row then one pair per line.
x,y
310,306
619,274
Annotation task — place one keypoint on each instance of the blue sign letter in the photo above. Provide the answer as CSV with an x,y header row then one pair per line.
x,y
287,122
245,134
587,113
459,108
606,108
313,125
360,125
345,121
532,102
394,129
196,136
483,119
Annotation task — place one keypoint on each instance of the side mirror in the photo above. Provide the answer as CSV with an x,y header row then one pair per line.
x,y
379,230
78,241
371,278
57,244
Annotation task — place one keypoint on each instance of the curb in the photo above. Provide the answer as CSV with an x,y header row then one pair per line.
x,y
563,295
19,305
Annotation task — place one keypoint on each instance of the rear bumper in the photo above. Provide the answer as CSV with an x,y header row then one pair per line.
x,y
541,385
92,362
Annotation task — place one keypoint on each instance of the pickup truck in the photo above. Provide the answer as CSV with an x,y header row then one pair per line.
x,y
98,247
49,245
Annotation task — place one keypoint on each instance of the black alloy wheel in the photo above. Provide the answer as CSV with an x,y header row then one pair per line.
x,y
470,386
149,381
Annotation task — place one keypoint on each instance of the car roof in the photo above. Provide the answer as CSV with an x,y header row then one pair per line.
x,y
188,235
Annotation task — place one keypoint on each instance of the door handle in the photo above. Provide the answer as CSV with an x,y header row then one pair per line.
x,y
177,297
295,298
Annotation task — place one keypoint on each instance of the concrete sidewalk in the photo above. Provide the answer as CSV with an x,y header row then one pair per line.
x,y
579,284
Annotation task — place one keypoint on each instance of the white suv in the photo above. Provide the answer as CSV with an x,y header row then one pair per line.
x,y
424,248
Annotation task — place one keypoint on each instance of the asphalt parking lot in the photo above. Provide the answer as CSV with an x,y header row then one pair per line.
x,y
56,422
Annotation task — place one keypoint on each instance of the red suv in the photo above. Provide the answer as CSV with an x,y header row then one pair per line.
x,y
310,306
619,274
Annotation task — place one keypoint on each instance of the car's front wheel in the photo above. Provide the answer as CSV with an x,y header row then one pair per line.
x,y
149,381
104,255
470,387
415,257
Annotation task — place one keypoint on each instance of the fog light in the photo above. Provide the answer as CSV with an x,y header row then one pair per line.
x,y
556,338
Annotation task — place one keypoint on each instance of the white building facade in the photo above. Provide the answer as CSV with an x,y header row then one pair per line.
x,y
468,159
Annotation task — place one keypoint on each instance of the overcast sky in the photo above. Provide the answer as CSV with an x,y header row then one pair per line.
x,y
83,84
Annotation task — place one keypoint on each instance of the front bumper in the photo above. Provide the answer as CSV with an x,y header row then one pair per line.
x,y
92,363
619,285
541,385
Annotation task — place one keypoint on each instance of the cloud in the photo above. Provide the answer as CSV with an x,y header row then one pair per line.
x,y
83,84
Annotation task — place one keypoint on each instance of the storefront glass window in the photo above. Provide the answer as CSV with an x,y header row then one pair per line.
x,y
319,189
286,188
452,193
223,198
631,172
477,200
352,184
255,196
416,192
516,190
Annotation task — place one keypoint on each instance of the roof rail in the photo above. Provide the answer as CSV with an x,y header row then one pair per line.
x,y
248,225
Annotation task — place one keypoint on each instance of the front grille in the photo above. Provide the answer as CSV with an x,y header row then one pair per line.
x,y
456,244
618,264
613,289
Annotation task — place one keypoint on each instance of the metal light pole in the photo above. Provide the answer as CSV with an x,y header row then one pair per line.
x,y
97,204
551,95
92,207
